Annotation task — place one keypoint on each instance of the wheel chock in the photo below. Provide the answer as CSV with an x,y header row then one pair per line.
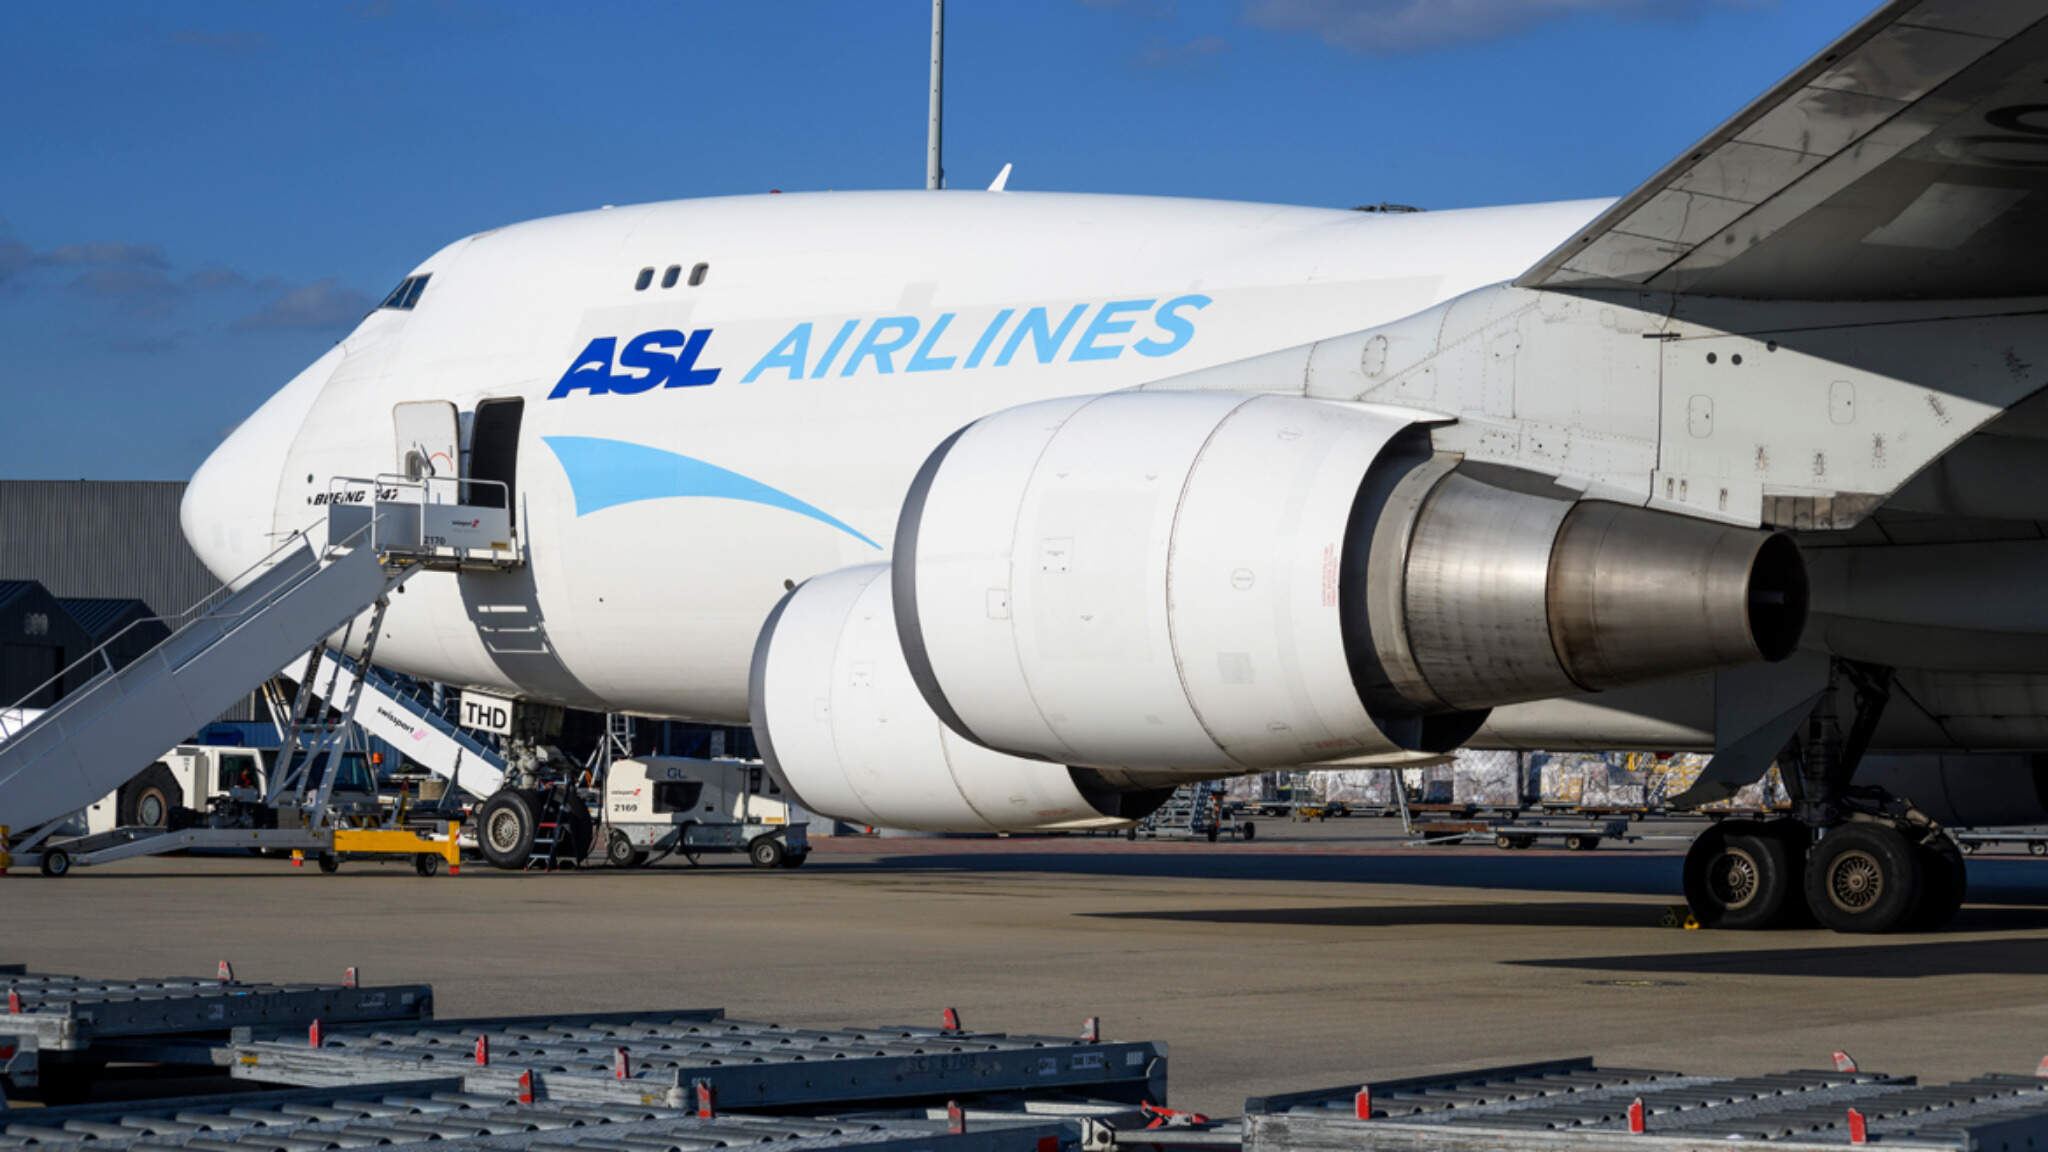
x,y
1678,916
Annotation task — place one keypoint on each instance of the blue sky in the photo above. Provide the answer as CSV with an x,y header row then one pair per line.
x,y
197,199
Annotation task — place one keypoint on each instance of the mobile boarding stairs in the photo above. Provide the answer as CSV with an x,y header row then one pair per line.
x,y
292,604
406,719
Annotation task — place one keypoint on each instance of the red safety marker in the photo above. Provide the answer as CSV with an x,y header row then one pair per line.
x,y
2041,1071
1048,1144
1091,1030
1158,1117
1859,1130
622,1068
526,1086
483,1051
226,973
1845,1062
950,1022
707,1101
956,1118
1635,1116
348,977
1361,1106
313,1035
14,1005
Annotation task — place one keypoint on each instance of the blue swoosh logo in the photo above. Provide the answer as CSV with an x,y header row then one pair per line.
x,y
603,473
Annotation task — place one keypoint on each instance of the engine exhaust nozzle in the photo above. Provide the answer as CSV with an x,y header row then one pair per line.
x,y
1486,588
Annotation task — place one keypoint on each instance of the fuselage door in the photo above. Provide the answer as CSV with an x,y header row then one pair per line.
x,y
494,454
428,444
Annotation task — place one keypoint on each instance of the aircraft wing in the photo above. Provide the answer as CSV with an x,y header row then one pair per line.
x,y
1907,160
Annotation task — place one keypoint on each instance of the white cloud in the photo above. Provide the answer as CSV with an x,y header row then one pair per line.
x,y
1390,27
321,304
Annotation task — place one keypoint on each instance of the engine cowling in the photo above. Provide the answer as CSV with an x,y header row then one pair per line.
x,y
844,730
1209,582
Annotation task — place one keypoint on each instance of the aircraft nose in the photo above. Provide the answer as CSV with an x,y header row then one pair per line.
x,y
229,512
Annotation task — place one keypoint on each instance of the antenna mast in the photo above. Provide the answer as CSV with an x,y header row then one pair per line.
x,y
934,172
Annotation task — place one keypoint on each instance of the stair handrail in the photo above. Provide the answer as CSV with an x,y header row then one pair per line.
x,y
389,683
424,486
226,590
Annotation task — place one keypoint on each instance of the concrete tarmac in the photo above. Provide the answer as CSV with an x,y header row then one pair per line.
x,y
1317,955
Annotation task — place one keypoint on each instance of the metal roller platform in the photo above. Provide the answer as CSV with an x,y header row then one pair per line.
x,y
48,1019
440,1114
746,1065
1573,1104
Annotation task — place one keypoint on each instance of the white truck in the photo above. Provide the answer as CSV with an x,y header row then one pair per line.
x,y
656,806
181,789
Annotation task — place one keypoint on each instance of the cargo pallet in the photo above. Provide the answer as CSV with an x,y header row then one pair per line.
x,y
637,1058
439,1115
66,1025
1572,1104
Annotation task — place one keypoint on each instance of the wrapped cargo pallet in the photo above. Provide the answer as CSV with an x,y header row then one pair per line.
x,y
1487,779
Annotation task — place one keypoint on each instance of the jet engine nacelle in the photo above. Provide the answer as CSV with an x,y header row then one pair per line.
x,y
844,730
1211,582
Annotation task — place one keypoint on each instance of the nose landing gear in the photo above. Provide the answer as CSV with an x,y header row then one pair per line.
x,y
1854,860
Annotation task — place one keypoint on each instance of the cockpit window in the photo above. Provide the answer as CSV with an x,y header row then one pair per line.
x,y
407,293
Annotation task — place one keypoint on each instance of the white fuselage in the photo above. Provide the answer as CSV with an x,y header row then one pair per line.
x,y
850,334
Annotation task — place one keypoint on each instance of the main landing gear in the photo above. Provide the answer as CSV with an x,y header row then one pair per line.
x,y
1851,859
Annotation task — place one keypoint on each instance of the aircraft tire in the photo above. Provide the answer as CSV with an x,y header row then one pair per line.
x,y
1741,875
505,828
1946,880
1865,878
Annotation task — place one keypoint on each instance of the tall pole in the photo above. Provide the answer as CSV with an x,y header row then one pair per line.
x,y
934,172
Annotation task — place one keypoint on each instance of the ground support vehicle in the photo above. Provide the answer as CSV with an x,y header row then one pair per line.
x,y
192,781
239,815
293,604
1576,836
2035,839
1194,810
660,806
